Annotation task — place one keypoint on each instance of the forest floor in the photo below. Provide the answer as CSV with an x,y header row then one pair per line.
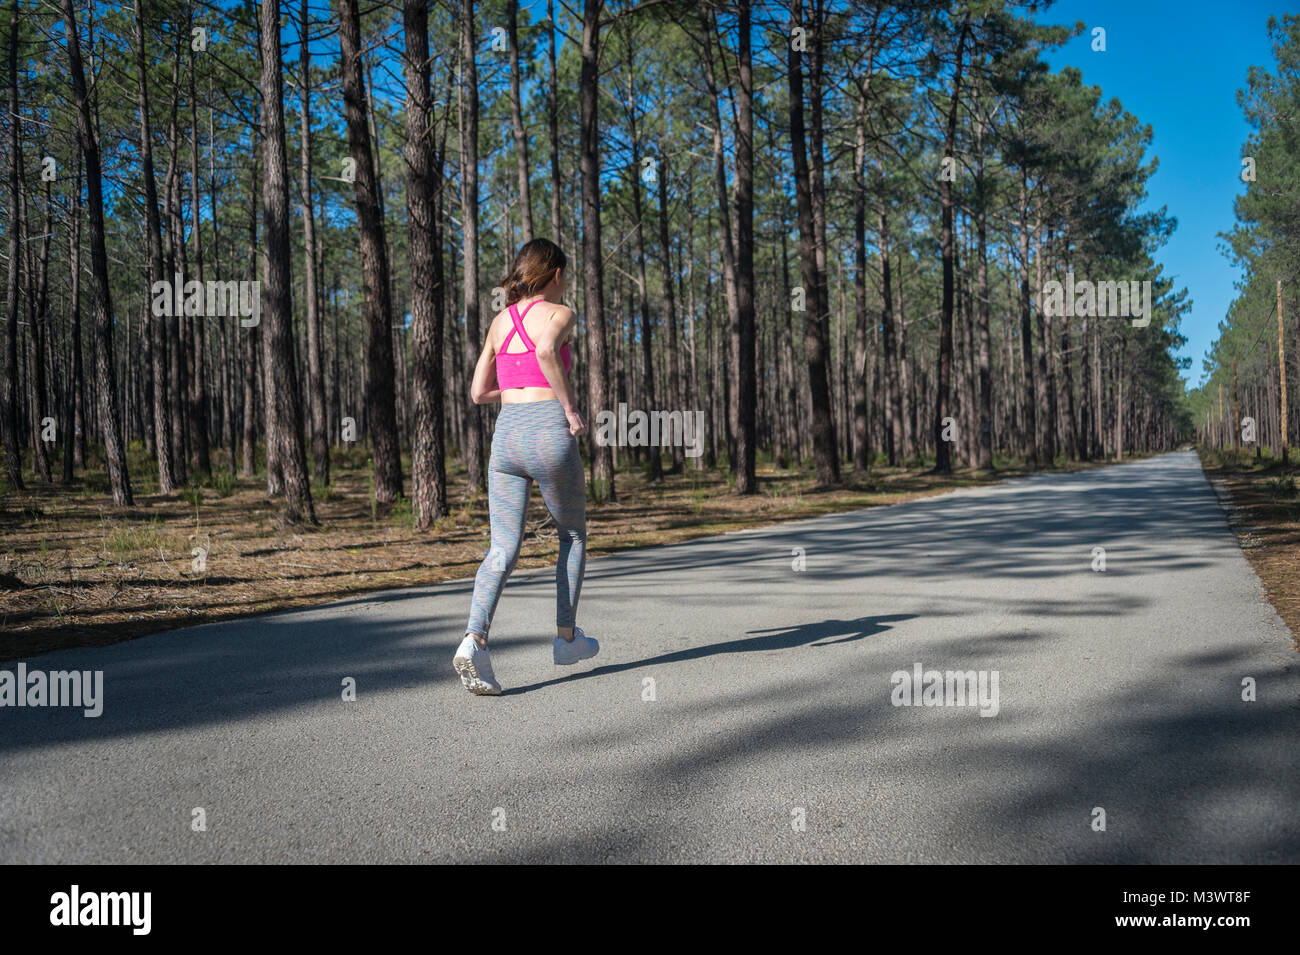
x,y
1262,501
76,571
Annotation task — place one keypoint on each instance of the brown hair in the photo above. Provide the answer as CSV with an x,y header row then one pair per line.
x,y
535,265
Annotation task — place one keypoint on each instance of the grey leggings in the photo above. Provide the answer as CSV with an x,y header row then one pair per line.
x,y
532,443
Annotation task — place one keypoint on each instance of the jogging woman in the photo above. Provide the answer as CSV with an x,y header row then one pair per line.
x,y
536,439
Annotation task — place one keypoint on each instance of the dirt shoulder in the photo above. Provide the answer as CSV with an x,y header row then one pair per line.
x,y
1262,502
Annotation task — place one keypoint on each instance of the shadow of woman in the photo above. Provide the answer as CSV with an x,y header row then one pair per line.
x,y
823,634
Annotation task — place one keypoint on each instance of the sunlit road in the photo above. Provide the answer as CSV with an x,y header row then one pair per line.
x,y
741,709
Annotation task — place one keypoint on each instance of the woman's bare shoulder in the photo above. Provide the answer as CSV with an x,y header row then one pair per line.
x,y
559,312
498,327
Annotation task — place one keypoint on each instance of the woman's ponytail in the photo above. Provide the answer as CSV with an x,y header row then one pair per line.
x,y
533,269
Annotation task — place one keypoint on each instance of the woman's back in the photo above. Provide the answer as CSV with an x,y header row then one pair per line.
x,y
535,319
514,333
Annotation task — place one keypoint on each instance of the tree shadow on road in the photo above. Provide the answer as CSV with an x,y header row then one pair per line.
x,y
1185,776
779,638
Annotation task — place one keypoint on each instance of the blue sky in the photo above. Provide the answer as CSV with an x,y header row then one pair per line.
x,y
1177,67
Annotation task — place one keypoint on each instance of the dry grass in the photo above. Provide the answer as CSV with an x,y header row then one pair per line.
x,y
1263,506
75,571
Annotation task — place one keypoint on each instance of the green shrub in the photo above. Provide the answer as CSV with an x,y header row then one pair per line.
x,y
402,513
1282,487
223,482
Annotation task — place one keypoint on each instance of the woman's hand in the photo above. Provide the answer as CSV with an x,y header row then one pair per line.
x,y
577,426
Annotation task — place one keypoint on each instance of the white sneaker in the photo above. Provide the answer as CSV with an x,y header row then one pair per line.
x,y
474,665
582,647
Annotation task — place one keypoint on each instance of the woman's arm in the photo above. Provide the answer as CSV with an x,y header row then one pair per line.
x,y
559,326
483,389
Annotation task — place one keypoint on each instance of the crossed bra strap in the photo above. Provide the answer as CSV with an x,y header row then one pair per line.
x,y
518,319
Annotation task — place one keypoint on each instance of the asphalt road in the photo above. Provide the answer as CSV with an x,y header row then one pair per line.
x,y
772,734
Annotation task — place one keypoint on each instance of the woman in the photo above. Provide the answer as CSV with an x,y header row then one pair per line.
x,y
536,439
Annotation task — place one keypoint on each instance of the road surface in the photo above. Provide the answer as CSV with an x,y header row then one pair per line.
x,y
741,710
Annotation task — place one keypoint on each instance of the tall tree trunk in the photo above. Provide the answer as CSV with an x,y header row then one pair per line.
x,y
380,390
889,341
713,379
262,358
517,121
270,399
229,367
1027,332
744,342
816,335
1010,430
102,305
251,335
277,291
983,333
602,458
906,379
1071,421
1086,422
474,445
969,362
157,330
174,252
72,434
670,312
1046,377
1098,409
861,453
817,188
647,362
783,451
40,340
80,424
428,459
727,240
553,121
198,386
12,439
1119,405
320,443
942,409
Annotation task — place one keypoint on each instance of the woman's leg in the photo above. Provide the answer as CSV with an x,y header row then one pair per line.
x,y
564,489
507,511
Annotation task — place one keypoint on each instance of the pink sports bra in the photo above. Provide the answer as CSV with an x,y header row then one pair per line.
x,y
520,369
